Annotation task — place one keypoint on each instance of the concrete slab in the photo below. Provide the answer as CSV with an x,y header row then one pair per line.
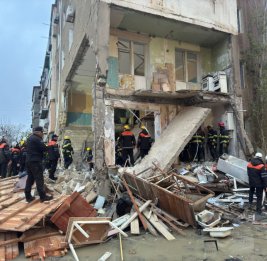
x,y
174,138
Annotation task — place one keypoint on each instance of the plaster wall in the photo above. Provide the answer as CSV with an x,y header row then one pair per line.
x,y
220,14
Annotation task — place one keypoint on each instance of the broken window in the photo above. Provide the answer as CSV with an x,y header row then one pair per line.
x,y
185,66
131,57
139,59
124,56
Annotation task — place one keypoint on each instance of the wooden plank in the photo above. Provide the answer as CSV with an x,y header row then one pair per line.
x,y
135,205
18,211
23,210
175,228
135,230
159,227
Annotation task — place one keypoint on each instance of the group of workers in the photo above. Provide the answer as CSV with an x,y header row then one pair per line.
x,y
126,143
12,159
217,143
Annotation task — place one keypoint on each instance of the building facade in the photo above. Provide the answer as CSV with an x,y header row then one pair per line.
x,y
115,61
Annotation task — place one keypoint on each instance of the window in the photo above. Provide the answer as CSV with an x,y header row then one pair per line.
x,y
185,66
131,57
242,75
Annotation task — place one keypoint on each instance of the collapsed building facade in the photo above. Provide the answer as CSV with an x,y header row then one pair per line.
x,y
173,65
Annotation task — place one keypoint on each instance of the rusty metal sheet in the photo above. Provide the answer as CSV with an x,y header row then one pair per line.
x,y
178,206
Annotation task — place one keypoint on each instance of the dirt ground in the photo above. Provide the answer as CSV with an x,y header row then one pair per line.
x,y
247,242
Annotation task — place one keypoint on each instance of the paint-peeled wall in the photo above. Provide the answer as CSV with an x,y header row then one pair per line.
x,y
79,109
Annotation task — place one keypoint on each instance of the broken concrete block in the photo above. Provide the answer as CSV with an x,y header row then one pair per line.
x,y
91,197
173,139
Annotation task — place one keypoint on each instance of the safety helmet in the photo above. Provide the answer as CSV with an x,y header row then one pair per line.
x,y
88,148
221,124
143,127
258,155
22,142
66,137
14,144
126,127
266,157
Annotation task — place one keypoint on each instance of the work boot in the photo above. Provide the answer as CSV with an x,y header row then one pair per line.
x,y
30,199
46,198
260,216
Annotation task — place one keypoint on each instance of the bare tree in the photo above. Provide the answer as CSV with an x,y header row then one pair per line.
x,y
256,60
12,132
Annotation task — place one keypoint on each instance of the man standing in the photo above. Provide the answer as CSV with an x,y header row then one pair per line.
x,y
67,151
128,143
23,155
34,157
15,158
144,142
212,142
197,145
53,156
224,138
4,157
255,168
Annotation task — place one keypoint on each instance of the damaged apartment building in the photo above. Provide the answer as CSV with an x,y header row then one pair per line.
x,y
172,63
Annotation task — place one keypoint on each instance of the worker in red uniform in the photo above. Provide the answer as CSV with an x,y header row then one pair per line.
x,y
53,156
4,157
144,142
15,158
128,142
255,168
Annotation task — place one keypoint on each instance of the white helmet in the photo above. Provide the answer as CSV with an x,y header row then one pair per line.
x,y
258,155
14,144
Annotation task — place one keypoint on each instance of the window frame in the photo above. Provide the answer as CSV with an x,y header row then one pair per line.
x,y
131,52
185,55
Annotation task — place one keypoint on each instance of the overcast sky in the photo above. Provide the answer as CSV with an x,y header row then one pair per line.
x,y
23,41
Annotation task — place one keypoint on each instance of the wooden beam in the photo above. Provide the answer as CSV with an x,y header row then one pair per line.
x,y
135,205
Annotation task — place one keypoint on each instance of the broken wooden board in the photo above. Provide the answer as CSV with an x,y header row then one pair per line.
x,y
97,232
49,246
10,251
157,224
21,216
181,207
135,230
73,206
173,139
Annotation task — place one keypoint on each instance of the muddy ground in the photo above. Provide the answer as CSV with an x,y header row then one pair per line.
x,y
247,242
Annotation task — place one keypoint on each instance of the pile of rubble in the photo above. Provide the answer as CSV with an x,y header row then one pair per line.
x,y
203,196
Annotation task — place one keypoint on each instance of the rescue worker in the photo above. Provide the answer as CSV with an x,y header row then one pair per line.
x,y
53,156
34,158
15,159
224,139
144,142
67,151
4,157
128,142
88,157
197,145
23,153
212,142
255,168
